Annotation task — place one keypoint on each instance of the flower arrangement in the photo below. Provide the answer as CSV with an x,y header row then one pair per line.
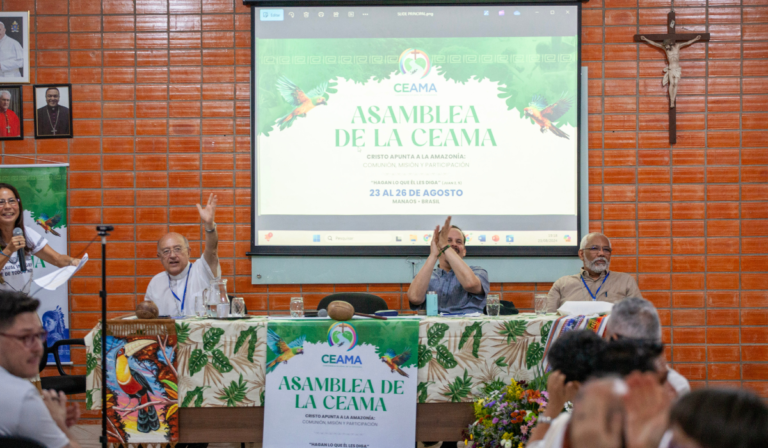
x,y
506,416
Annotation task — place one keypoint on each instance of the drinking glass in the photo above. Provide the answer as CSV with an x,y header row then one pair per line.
x,y
199,305
493,305
540,303
297,307
238,306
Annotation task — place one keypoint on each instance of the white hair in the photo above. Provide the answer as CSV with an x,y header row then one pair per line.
x,y
2,92
586,238
635,318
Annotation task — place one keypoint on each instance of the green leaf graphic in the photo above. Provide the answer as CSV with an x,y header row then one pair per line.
x,y
220,361
97,343
436,333
496,384
211,338
545,329
234,393
90,363
500,362
170,384
425,355
445,357
197,360
196,394
460,388
89,398
422,391
513,329
534,355
182,332
243,337
252,346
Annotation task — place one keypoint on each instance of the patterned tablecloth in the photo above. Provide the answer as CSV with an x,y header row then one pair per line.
x,y
221,363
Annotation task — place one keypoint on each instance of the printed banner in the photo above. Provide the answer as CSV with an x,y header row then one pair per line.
x,y
43,193
330,381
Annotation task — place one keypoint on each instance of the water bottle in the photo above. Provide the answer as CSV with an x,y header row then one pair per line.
x,y
431,303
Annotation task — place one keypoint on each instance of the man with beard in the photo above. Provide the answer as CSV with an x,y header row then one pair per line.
x,y
460,288
595,281
52,119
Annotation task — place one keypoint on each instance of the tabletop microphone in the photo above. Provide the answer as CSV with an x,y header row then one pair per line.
x,y
22,259
322,313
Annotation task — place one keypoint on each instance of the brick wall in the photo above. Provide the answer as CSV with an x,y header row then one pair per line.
x,y
161,118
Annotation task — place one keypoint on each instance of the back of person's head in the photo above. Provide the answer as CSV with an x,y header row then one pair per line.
x,y
715,418
634,318
12,304
576,354
624,356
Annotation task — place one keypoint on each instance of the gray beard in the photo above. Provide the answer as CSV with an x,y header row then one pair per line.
x,y
599,268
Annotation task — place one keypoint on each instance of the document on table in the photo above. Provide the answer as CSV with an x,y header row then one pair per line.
x,y
60,276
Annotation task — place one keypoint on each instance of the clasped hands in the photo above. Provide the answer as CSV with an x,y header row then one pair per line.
x,y
440,238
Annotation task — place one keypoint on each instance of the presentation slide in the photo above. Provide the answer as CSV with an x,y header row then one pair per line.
x,y
372,124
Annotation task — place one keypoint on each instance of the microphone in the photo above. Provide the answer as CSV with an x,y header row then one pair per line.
x,y
322,313
22,259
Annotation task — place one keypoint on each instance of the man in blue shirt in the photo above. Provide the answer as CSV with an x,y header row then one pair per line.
x,y
460,288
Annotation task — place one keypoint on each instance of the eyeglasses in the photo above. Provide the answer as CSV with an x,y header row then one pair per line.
x,y
596,249
178,250
29,340
11,202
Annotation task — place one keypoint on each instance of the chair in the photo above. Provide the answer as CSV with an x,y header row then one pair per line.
x,y
69,384
18,442
363,302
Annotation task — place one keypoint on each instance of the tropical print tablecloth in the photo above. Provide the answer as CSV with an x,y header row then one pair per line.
x,y
221,363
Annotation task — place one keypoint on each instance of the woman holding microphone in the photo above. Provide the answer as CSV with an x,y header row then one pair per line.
x,y
12,277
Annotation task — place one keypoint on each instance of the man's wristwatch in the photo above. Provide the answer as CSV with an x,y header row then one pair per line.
x,y
212,230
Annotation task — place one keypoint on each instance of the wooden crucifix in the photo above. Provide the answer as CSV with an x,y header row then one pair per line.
x,y
672,73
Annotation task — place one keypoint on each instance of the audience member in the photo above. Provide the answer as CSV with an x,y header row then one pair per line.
x,y
460,288
637,318
174,290
595,281
24,413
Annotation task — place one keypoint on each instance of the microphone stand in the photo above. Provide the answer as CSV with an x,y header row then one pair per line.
x,y
103,232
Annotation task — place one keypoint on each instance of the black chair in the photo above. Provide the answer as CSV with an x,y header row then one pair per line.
x,y
18,442
363,302
69,384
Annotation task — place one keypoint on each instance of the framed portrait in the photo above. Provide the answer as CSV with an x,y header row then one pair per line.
x,y
14,46
11,112
53,110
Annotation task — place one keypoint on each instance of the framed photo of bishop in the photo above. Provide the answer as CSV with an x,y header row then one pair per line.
x,y
53,111
14,47
11,113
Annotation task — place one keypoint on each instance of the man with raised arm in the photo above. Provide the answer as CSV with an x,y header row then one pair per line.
x,y
460,288
174,289
595,281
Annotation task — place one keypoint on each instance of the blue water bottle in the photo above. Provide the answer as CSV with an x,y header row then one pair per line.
x,y
431,303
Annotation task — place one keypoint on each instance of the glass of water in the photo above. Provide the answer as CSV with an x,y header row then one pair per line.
x,y
297,307
238,307
540,303
493,305
199,306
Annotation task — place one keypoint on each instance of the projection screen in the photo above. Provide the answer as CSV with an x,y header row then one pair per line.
x,y
371,124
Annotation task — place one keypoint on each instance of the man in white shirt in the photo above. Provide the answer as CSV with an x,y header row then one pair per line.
x,y
636,318
174,290
11,55
24,413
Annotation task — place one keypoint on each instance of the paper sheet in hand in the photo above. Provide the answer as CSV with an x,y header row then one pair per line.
x,y
61,276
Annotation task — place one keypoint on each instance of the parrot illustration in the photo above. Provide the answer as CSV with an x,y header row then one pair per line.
x,y
304,102
545,115
135,385
394,362
283,351
48,223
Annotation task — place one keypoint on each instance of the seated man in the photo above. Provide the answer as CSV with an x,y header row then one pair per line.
x,y
174,290
460,288
24,413
595,281
636,318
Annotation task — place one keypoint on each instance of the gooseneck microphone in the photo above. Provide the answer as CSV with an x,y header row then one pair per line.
x,y
22,258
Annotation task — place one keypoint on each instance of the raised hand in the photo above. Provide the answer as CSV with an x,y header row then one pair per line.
x,y
647,410
434,248
208,214
17,242
443,239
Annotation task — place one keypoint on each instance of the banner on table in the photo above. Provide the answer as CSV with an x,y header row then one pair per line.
x,y
350,382
43,191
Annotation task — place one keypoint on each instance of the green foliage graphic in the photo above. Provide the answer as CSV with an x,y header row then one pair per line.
x,y
545,329
250,336
425,355
197,360
522,67
435,333
234,393
90,363
211,338
422,391
43,191
460,388
477,329
196,394
513,329
220,361
534,355
182,332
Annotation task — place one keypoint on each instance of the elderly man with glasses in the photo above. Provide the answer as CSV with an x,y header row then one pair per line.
x,y
174,290
44,418
595,281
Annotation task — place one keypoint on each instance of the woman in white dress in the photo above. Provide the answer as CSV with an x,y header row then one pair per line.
x,y
11,217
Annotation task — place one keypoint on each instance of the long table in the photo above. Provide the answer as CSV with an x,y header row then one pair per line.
x,y
458,357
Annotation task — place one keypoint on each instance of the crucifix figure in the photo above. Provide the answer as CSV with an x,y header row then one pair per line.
x,y
671,43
